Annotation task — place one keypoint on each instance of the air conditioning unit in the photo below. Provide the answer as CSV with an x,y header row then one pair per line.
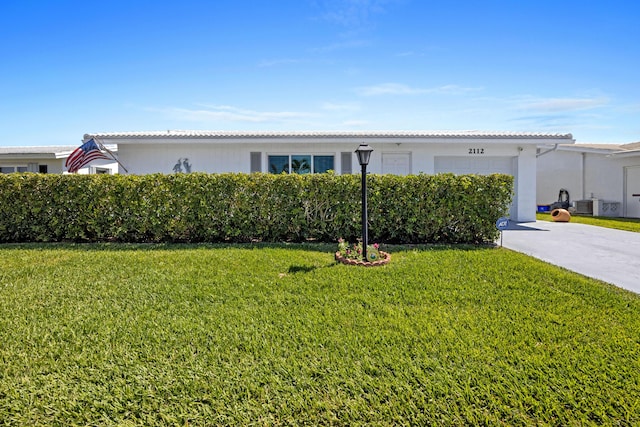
x,y
607,208
584,207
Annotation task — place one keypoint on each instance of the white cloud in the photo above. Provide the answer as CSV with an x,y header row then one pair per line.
x,y
355,123
563,104
229,113
330,106
388,89
403,89
456,90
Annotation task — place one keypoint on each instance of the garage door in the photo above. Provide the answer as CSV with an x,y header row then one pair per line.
x,y
632,197
474,165
478,166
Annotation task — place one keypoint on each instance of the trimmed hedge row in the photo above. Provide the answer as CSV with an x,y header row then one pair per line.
x,y
258,207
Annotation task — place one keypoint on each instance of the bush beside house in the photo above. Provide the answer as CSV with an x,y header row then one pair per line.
x,y
201,207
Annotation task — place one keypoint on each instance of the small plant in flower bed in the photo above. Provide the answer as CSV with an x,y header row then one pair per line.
x,y
354,251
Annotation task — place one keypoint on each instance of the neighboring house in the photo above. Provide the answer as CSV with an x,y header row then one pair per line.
x,y
402,153
48,160
602,179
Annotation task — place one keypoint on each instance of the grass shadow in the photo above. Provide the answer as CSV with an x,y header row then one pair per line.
x,y
328,248
301,269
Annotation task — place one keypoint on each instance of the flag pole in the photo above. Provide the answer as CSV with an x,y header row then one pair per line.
x,y
110,153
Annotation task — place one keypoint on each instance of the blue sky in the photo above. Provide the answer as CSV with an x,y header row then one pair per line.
x,y
75,67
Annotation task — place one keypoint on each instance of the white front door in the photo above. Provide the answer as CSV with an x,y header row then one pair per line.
x,y
632,191
396,163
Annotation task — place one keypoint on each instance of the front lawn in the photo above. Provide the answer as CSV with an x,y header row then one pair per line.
x,y
281,335
626,224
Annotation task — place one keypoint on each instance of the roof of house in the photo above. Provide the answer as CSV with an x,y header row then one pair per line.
x,y
324,136
43,152
628,150
632,149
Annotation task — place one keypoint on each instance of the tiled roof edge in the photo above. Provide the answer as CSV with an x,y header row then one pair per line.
x,y
327,134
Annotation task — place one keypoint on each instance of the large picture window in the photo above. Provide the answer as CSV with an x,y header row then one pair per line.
x,y
300,163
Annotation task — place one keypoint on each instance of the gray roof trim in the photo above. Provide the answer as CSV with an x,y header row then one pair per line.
x,y
590,148
617,150
46,152
626,153
194,136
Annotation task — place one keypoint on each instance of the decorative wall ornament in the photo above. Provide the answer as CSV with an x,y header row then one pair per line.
x,y
182,163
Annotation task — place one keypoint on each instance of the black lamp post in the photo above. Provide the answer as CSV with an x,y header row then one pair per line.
x,y
364,154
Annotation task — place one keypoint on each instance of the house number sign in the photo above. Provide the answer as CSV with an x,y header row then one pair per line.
x,y
476,150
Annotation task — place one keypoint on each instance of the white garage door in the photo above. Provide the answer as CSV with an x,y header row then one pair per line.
x,y
474,165
478,166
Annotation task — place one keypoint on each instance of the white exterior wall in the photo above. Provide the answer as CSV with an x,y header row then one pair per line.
x,y
526,184
586,175
56,166
161,158
556,170
53,165
220,157
109,165
603,177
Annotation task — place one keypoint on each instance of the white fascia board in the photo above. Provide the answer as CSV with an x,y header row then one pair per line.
x,y
630,153
28,156
336,140
593,150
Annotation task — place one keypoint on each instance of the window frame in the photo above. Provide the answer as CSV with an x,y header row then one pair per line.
x,y
297,156
16,168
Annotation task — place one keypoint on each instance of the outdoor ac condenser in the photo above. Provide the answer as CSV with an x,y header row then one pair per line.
x,y
584,207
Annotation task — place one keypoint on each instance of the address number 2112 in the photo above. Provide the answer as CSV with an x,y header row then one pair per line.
x,y
476,150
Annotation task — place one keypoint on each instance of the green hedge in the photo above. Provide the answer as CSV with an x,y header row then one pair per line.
x,y
259,207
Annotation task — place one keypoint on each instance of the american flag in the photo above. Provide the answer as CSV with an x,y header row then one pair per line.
x,y
83,155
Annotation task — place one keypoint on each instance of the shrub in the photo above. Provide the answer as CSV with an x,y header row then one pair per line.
x,y
201,207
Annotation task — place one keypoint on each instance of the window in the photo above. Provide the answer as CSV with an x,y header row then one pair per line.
x,y
12,169
300,163
322,163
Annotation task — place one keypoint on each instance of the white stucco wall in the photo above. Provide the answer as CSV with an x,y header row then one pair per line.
x,y
556,170
53,165
585,174
526,184
225,157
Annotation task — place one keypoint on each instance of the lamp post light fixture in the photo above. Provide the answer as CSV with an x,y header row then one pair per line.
x,y
364,154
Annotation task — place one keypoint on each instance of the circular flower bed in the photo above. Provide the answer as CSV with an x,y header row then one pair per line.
x,y
382,260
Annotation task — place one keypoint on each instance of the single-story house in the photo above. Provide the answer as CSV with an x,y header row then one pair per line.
x,y
49,159
395,152
601,179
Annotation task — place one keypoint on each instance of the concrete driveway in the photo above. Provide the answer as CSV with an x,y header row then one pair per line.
x,y
612,256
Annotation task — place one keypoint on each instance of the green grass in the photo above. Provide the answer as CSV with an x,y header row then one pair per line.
x,y
281,335
626,224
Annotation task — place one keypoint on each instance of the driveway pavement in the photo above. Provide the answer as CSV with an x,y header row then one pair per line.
x,y
612,256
